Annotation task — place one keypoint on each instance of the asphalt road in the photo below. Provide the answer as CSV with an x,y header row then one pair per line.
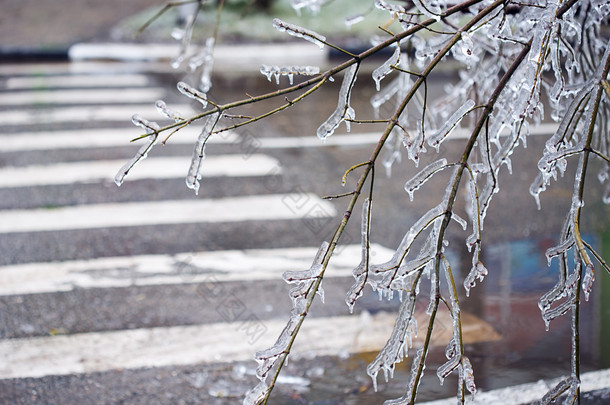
x,y
148,293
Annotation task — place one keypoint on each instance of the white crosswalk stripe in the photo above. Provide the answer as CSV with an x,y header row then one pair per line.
x,y
225,265
78,96
81,114
151,168
96,138
76,80
230,209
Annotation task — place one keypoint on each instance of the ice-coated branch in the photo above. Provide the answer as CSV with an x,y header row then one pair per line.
x,y
195,169
152,130
420,178
397,346
193,93
164,110
361,271
387,66
343,112
299,32
439,136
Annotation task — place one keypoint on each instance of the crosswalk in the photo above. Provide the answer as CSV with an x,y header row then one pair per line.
x,y
101,279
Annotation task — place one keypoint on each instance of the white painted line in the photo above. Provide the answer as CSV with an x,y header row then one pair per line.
x,y
82,96
150,168
211,343
182,268
233,209
86,67
99,138
233,58
76,80
86,114
530,392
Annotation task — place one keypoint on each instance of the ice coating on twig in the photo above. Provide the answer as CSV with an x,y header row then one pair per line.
x,y
440,135
151,128
430,9
393,9
299,295
164,110
452,352
396,348
256,395
360,273
478,272
559,249
290,71
420,178
467,375
194,173
570,383
387,66
343,111
426,220
299,32
587,281
193,93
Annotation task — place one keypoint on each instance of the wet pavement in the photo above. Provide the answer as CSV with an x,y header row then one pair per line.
x,y
510,347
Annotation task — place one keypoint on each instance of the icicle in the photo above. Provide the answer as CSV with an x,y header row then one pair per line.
x,y
343,110
420,178
438,137
193,93
289,71
151,128
299,32
385,69
549,161
162,108
537,187
479,272
194,173
587,281
394,350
